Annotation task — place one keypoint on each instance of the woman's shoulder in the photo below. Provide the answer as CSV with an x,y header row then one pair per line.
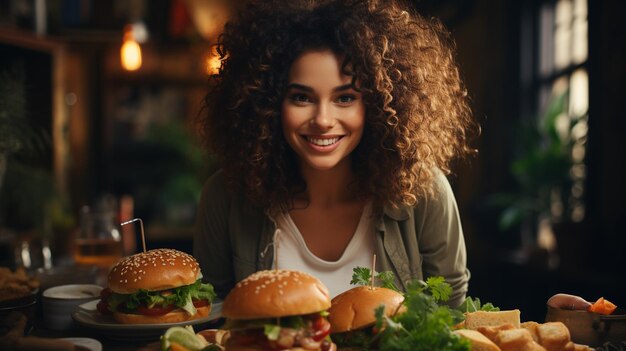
x,y
217,190
442,201
441,185
441,198
216,184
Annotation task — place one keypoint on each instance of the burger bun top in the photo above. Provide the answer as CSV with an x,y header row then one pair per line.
x,y
154,270
276,293
354,308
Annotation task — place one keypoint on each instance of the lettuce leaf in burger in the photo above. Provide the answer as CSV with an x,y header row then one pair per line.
x,y
157,286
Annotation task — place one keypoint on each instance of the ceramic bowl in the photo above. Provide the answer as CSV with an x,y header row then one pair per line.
x,y
589,328
59,302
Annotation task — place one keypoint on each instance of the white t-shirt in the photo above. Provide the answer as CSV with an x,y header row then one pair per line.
x,y
291,252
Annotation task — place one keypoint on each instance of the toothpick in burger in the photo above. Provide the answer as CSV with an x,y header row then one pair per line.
x,y
156,286
278,310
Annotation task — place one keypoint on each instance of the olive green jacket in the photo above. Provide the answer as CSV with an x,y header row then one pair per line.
x,y
233,239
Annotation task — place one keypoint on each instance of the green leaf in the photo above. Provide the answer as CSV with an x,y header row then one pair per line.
x,y
473,304
510,217
424,325
181,297
188,306
439,288
361,276
271,331
387,280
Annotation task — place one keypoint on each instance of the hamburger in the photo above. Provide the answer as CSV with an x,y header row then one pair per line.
x,y
278,310
352,315
157,286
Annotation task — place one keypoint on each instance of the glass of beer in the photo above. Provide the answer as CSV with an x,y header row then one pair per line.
x,y
99,241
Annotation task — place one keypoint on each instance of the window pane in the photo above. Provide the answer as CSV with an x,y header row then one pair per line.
x,y
579,40
579,93
563,34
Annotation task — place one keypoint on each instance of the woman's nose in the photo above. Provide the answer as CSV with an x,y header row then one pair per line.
x,y
323,118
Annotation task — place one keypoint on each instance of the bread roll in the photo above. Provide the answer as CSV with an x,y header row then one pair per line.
x,y
473,320
479,341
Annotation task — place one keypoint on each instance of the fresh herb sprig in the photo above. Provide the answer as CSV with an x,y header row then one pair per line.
x,y
438,288
363,276
426,323
473,304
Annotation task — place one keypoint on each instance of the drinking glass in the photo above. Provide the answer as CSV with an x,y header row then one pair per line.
x,y
99,241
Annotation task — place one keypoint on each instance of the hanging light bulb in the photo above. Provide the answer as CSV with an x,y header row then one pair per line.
x,y
130,53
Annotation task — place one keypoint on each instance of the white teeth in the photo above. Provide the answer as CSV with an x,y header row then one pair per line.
x,y
322,142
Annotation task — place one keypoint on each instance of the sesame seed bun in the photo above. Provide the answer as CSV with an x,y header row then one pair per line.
x,y
154,270
175,316
354,308
276,293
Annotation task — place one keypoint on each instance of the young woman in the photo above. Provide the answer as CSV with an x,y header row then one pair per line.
x,y
335,124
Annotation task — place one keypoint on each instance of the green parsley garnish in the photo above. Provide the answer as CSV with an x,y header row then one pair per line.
x,y
426,324
363,276
473,305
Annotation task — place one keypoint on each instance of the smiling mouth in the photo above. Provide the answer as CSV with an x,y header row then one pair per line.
x,y
322,142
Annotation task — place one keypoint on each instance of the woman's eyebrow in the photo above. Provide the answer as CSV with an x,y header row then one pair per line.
x,y
344,87
309,89
299,87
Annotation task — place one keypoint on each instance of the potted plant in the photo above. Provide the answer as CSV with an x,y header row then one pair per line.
x,y
541,172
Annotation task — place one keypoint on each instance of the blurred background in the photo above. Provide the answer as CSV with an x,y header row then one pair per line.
x,y
97,107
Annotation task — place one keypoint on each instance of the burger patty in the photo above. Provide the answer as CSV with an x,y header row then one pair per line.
x,y
360,338
288,338
311,335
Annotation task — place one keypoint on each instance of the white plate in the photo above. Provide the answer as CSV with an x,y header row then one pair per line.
x,y
87,316
88,343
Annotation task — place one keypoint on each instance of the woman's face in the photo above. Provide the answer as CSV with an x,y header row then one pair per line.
x,y
322,115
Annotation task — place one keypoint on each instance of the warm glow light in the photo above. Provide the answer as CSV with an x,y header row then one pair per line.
x,y
130,52
212,64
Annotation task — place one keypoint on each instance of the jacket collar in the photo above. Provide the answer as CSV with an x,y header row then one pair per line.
x,y
397,213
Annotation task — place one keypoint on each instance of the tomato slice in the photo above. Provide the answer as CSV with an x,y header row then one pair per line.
x,y
155,310
102,307
103,304
200,303
321,327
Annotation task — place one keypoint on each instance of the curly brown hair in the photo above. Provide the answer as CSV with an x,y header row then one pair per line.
x,y
418,118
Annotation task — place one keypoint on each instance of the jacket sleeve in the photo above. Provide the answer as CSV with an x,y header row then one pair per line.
x,y
211,243
441,241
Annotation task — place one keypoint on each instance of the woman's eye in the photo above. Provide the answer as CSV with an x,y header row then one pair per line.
x,y
346,99
299,98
